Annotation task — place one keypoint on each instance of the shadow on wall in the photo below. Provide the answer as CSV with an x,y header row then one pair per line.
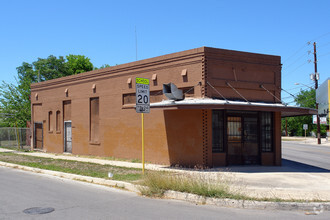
x,y
184,133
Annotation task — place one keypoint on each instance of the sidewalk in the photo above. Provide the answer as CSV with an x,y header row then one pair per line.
x,y
256,181
307,140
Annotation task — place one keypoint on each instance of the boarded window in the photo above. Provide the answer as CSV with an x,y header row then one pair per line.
x,y
266,131
217,131
67,110
50,121
94,120
58,121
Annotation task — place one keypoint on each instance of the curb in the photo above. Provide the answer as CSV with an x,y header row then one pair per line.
x,y
312,207
249,204
95,180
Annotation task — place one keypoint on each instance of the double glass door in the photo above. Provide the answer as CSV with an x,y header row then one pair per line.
x,y
242,140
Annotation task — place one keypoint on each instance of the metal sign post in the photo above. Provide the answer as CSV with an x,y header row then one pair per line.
x,y
305,127
142,105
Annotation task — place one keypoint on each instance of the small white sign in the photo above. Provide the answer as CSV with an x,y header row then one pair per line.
x,y
305,126
142,95
323,120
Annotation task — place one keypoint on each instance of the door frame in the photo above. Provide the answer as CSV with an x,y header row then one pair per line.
x,y
64,136
35,136
242,115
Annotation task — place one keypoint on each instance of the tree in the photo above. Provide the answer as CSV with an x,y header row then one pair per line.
x,y
102,67
15,99
78,64
306,98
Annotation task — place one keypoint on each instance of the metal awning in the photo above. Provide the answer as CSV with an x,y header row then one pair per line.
x,y
208,103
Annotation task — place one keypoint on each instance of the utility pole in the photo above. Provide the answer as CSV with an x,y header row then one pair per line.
x,y
316,78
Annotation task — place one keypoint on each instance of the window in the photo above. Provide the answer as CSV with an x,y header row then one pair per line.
x,y
266,131
58,121
50,121
217,131
94,120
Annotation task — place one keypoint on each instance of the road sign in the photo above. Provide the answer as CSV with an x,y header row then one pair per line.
x,y
323,120
142,95
305,126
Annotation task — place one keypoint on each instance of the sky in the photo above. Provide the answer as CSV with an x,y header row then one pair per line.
x,y
107,32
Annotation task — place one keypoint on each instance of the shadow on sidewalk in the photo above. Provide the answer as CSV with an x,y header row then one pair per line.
x,y
287,166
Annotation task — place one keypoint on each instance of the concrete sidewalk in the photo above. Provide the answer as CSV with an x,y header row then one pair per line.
x,y
307,140
282,182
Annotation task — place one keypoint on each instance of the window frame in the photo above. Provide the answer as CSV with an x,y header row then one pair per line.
x,y
94,135
50,122
218,131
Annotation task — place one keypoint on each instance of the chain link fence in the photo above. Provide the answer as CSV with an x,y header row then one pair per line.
x,y
15,137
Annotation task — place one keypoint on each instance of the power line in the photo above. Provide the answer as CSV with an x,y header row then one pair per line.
x,y
323,35
323,45
301,86
296,68
305,45
286,67
322,55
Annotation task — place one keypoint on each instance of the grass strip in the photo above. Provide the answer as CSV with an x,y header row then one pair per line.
x,y
158,183
74,167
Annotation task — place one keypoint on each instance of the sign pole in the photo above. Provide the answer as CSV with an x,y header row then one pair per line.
x,y
142,120
142,106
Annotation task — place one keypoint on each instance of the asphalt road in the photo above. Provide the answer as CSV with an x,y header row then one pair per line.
x,y
312,155
20,190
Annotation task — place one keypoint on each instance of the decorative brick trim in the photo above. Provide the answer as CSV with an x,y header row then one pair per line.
x,y
205,137
204,77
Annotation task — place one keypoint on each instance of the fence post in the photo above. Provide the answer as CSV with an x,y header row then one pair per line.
x,y
17,138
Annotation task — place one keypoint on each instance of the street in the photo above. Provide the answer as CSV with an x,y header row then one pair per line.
x,y
313,155
20,190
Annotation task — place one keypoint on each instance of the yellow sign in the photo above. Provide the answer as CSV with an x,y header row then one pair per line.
x,y
142,81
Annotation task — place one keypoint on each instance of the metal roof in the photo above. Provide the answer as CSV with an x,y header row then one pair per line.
x,y
208,103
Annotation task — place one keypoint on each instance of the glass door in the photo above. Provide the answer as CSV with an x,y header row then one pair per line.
x,y
250,148
234,140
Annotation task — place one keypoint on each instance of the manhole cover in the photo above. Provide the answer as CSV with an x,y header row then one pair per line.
x,y
38,210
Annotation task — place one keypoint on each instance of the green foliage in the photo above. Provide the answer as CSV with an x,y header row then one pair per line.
x,y
306,98
74,167
158,183
102,67
15,99
78,64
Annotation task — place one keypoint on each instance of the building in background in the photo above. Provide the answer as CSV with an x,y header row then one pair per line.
x,y
230,112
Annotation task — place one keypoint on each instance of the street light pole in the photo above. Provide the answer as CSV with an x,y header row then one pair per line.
x,y
316,104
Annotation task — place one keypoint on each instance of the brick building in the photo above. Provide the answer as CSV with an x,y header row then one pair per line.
x,y
230,115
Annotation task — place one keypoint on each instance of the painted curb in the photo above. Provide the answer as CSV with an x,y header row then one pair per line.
x,y
314,207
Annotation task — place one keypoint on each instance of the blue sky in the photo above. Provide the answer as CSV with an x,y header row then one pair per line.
x,y
104,31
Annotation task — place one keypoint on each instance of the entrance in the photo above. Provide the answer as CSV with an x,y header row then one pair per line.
x,y
67,137
242,140
38,135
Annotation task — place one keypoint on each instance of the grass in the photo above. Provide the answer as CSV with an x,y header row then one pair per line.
x,y
158,183
22,149
74,167
113,158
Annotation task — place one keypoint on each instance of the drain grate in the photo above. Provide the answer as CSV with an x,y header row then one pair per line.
x,y
38,210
